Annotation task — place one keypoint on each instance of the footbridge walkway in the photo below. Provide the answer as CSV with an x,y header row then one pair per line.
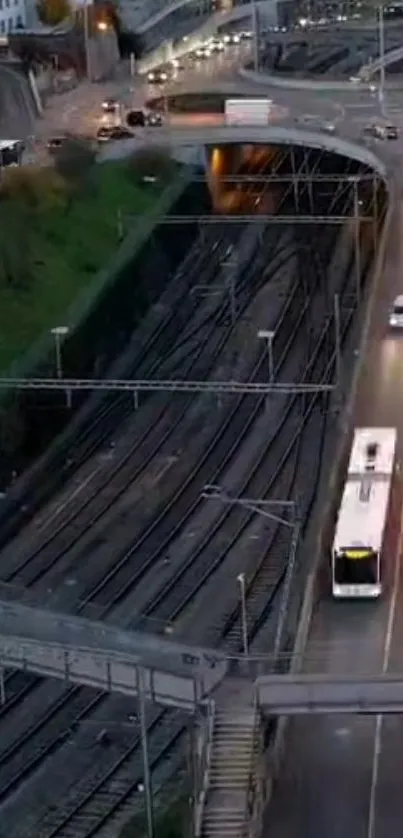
x,y
94,654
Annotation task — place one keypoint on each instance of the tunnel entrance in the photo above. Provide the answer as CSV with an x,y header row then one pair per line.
x,y
292,180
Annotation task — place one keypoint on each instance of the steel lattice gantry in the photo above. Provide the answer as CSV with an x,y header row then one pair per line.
x,y
99,655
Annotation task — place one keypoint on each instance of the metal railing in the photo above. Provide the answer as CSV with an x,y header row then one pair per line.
x,y
205,760
251,796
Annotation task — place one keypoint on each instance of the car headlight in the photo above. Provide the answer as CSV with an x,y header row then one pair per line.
x,y
151,77
164,76
393,320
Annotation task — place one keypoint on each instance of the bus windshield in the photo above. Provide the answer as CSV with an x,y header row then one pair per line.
x,y
354,567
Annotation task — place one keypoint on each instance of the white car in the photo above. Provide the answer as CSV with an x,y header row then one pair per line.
x,y
328,127
396,314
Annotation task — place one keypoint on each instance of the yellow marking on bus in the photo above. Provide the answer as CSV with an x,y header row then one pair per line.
x,y
358,554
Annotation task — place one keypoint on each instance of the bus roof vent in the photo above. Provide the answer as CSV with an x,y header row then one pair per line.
x,y
365,490
371,453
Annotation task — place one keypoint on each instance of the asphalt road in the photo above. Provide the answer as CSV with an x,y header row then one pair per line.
x,y
342,774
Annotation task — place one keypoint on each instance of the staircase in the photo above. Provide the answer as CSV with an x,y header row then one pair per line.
x,y
225,809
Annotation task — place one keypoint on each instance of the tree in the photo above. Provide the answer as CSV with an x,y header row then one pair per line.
x,y
52,12
16,252
12,426
74,159
33,188
152,165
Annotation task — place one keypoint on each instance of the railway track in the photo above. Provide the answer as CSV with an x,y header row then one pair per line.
x,y
41,748
26,581
72,822
98,803
90,431
91,706
83,513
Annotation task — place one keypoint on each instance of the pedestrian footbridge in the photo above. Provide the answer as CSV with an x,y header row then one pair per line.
x,y
84,652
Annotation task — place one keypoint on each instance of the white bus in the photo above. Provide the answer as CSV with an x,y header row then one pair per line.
x,y
363,515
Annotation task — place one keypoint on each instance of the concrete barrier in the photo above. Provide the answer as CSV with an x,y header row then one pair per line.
x,y
292,83
336,475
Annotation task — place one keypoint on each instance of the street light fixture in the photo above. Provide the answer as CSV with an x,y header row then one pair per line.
x,y
262,506
268,335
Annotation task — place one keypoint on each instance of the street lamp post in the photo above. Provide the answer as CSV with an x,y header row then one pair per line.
x,y
255,27
381,89
241,580
268,336
146,762
262,507
87,46
60,332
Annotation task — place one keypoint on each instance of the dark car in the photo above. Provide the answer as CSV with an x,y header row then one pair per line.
x,y
54,143
136,119
105,134
391,132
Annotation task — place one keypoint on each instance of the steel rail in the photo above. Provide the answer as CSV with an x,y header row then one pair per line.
x,y
94,429
102,817
103,504
27,765
105,816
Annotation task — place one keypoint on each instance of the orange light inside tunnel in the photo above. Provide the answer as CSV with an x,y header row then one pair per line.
x,y
217,161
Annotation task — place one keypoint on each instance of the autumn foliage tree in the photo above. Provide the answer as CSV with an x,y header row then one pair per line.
x,y
52,12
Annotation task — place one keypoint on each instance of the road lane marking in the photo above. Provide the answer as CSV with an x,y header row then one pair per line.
x,y
385,665
41,525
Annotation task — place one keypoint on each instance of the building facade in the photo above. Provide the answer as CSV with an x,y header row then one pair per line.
x,y
12,16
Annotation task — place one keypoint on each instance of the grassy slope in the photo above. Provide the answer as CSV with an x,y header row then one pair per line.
x,y
70,246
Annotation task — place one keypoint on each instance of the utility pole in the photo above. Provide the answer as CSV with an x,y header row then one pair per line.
x,y
381,89
244,620
255,27
87,45
144,746
337,338
357,243
268,336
